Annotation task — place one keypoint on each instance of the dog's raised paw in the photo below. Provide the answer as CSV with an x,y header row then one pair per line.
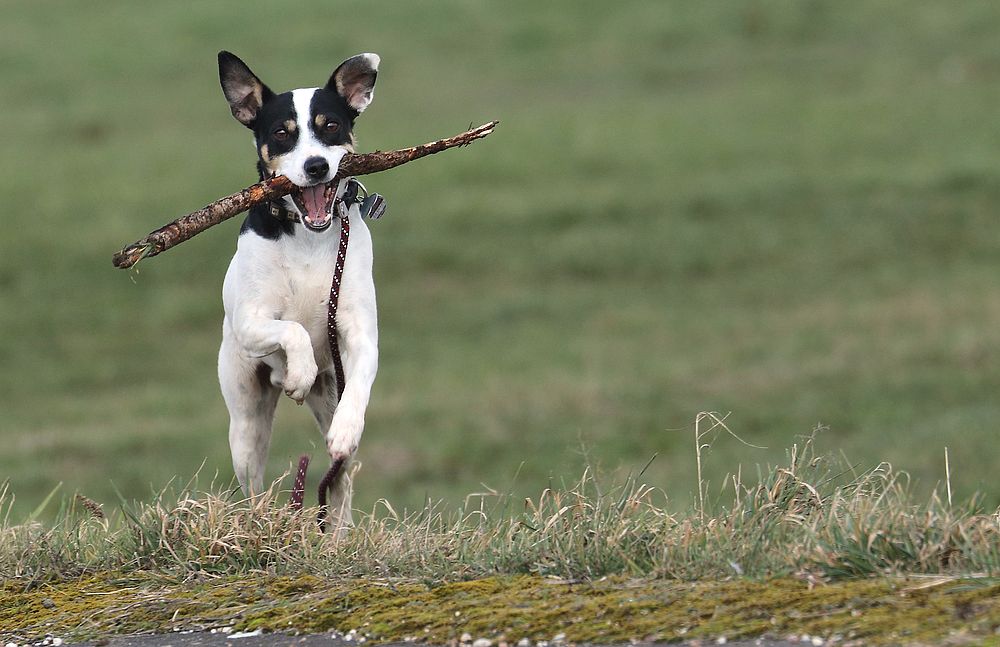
x,y
297,383
299,394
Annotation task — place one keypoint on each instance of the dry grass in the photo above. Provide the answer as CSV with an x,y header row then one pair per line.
x,y
813,516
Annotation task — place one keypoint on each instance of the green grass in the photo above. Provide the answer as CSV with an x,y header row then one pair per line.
x,y
787,212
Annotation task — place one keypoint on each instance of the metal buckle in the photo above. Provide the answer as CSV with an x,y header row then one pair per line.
x,y
341,207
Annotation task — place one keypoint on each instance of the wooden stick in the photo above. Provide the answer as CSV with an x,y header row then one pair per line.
x,y
222,209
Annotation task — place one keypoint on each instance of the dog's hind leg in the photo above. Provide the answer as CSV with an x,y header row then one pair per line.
x,y
251,400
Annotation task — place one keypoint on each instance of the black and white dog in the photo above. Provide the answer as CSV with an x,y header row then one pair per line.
x,y
274,336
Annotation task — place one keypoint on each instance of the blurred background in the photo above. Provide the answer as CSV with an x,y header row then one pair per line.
x,y
786,211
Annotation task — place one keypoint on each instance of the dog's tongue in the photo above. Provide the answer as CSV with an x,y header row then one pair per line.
x,y
314,199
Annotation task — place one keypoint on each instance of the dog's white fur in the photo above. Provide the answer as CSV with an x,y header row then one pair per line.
x,y
275,296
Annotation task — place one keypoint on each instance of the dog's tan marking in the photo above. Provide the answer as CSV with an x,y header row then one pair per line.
x,y
269,162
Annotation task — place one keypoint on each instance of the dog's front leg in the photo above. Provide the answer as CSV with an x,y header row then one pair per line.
x,y
358,333
259,336
360,350
359,337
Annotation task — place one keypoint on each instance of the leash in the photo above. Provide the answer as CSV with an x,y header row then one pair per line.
x,y
299,486
331,330
338,274
372,207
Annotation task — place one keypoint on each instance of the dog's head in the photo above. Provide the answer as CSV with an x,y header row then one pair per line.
x,y
302,134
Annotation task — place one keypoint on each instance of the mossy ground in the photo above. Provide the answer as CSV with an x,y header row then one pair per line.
x,y
870,611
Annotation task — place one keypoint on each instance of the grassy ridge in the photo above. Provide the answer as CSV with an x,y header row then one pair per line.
x,y
787,212
810,549
809,516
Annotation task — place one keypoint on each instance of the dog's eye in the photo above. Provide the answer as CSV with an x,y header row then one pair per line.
x,y
331,127
280,134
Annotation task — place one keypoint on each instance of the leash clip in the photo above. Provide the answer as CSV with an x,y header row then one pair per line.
x,y
361,187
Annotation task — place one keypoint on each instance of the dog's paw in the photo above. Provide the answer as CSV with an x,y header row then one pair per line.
x,y
343,438
299,380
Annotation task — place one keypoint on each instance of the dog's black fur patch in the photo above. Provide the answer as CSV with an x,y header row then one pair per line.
x,y
271,118
261,222
327,103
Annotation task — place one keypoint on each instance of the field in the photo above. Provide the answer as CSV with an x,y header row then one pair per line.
x,y
783,211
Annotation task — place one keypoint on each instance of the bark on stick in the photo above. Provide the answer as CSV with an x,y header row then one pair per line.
x,y
352,164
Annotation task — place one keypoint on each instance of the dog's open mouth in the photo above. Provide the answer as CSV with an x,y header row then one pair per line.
x,y
315,203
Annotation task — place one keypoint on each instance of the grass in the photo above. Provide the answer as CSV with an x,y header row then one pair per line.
x,y
811,515
787,213
811,547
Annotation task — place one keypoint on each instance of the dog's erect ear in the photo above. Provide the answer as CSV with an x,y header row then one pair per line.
x,y
244,91
355,80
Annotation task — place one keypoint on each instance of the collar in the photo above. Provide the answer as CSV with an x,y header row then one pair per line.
x,y
348,197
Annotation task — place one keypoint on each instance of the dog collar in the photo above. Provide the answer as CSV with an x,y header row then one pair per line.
x,y
348,197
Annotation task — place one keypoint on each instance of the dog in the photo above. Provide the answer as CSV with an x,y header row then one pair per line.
x,y
277,287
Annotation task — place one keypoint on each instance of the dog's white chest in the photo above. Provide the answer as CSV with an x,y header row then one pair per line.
x,y
287,280
305,294
309,297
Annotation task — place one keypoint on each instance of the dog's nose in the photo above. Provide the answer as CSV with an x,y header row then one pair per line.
x,y
316,167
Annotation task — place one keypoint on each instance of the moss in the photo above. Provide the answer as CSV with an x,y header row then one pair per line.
x,y
611,610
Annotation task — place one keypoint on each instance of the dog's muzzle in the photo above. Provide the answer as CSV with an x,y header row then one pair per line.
x,y
315,203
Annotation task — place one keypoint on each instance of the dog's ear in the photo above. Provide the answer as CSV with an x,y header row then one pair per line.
x,y
244,91
354,80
